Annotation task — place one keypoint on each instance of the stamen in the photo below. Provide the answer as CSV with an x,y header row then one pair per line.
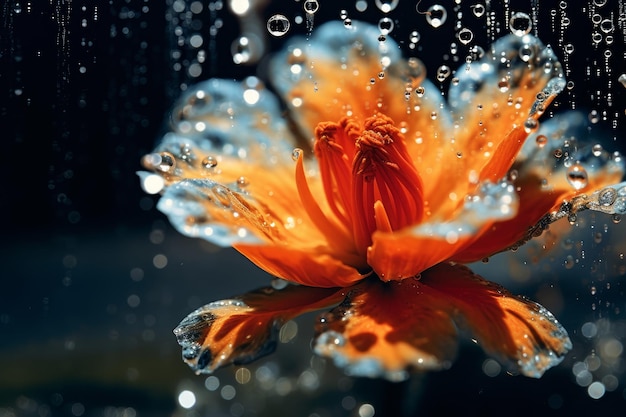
x,y
335,234
334,163
387,189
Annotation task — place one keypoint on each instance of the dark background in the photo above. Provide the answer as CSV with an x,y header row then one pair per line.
x,y
86,310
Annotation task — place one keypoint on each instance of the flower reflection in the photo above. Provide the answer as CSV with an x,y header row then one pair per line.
x,y
371,192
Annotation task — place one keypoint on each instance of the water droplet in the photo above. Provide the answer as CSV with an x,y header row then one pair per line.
x,y
478,10
607,197
167,162
386,6
420,91
476,52
443,72
209,162
436,15
541,140
347,23
520,24
279,283
385,25
622,79
311,6
577,176
278,25
530,125
296,154
596,150
415,36
503,85
242,182
465,36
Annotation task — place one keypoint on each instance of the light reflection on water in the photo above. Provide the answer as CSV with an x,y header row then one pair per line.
x,y
89,332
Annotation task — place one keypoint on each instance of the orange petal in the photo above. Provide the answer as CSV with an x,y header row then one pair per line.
x,y
307,266
495,104
244,328
517,331
546,186
388,329
400,255
407,252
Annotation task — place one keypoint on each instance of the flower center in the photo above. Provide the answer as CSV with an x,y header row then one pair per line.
x,y
369,179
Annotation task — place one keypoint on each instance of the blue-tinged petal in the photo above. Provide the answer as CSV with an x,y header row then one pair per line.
x,y
244,328
239,119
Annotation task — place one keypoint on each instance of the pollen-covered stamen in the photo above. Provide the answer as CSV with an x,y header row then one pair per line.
x,y
334,148
387,189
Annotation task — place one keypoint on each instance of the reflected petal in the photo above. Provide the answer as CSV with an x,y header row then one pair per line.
x,y
244,328
389,329
386,330
517,331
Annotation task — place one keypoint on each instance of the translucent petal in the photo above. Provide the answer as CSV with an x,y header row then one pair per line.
x,y
549,188
520,333
410,251
389,329
244,328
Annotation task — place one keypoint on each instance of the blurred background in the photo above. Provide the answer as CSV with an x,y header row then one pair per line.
x,y
94,279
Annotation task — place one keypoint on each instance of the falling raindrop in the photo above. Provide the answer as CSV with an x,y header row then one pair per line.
x,y
278,25
520,24
436,15
386,6
385,25
478,10
465,36
311,6
443,72
577,176
541,140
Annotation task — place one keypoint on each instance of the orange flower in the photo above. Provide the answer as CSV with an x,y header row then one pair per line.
x,y
370,195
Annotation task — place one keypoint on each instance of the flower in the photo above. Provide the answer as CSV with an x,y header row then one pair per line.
x,y
371,192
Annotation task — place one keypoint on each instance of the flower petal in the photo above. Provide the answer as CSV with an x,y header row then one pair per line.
x,y
388,329
244,328
408,252
315,267
221,141
341,71
552,172
517,331
498,100
495,104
